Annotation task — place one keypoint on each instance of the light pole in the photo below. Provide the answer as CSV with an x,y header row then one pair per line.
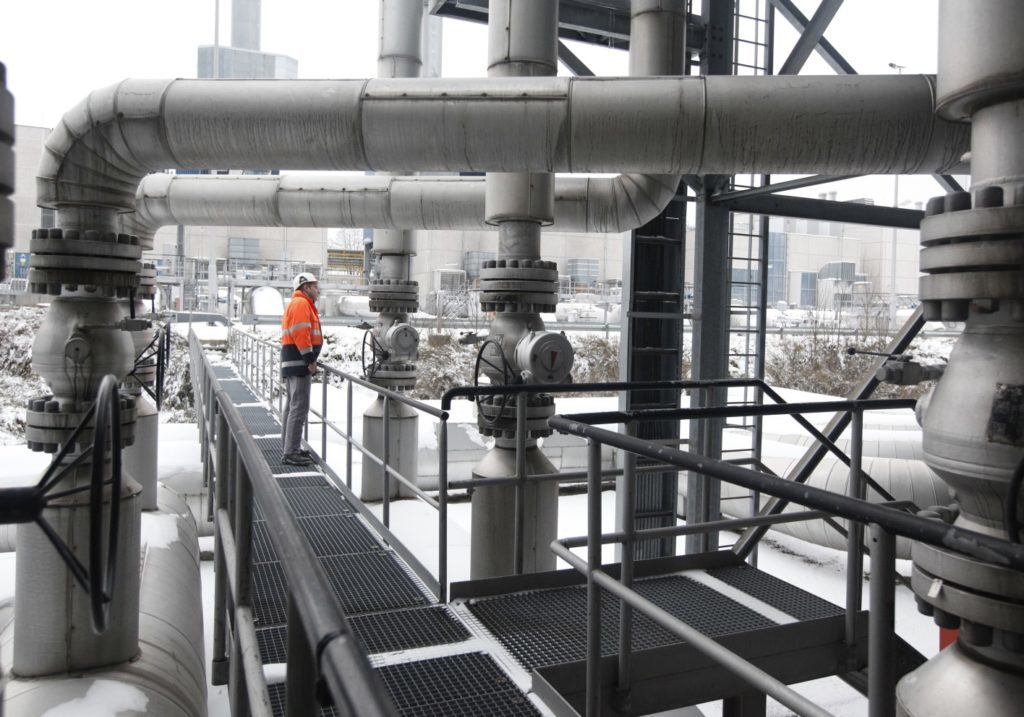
x,y
896,203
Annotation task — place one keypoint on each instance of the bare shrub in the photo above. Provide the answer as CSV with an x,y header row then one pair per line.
x,y
820,364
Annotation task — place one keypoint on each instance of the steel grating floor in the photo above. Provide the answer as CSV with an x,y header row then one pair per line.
x,y
278,694
549,627
238,392
259,420
338,535
310,502
273,454
371,582
778,593
382,632
467,684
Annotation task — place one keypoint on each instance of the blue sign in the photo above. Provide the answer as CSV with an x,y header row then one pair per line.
x,y
21,264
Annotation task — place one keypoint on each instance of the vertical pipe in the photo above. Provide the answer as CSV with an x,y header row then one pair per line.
x,y
219,663
854,531
442,510
386,457
881,669
348,440
593,591
520,494
302,671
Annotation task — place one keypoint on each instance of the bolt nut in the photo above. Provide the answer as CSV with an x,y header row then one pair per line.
x,y
946,619
957,201
988,197
976,633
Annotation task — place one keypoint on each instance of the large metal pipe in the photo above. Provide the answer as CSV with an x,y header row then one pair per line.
x,y
827,125
582,204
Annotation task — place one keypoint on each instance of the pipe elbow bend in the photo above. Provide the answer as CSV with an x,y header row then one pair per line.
x,y
623,203
98,152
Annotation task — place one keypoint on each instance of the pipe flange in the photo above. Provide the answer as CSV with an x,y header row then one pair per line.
x,y
48,425
497,415
396,377
519,286
972,249
104,262
395,296
517,303
147,282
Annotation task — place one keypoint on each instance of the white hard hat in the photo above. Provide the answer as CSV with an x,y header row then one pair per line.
x,y
303,278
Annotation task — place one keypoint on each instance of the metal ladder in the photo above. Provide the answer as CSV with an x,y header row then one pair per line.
x,y
748,261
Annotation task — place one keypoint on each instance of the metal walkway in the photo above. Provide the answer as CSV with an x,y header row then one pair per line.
x,y
422,651
501,639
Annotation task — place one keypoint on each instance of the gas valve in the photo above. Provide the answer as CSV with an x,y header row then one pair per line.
x,y
544,357
401,341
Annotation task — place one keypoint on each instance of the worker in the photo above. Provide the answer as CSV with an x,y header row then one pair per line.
x,y
301,341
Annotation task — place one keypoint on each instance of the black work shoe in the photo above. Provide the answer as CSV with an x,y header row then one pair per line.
x,y
296,459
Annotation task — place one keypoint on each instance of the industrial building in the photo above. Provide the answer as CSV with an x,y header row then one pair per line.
x,y
318,605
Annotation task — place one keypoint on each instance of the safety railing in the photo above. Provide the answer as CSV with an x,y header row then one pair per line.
x,y
885,521
321,647
258,361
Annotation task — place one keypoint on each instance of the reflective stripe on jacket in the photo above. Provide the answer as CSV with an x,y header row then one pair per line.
x,y
301,336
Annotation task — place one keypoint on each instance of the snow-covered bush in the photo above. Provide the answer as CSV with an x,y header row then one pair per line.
x,y
178,401
18,327
820,364
443,365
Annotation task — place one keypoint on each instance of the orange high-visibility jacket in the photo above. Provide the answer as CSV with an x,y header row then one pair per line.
x,y
301,337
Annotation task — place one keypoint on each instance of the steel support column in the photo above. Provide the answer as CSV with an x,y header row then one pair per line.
x,y
711,289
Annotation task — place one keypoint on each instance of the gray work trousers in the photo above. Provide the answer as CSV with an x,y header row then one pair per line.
x,y
296,408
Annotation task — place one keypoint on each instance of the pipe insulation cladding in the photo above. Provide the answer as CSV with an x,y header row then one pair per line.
x,y
582,204
103,147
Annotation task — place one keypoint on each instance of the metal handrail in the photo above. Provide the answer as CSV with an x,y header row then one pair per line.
x,y
258,360
321,644
885,521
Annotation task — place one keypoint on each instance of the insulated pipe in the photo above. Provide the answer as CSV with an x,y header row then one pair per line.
x,y
903,479
103,147
399,39
582,204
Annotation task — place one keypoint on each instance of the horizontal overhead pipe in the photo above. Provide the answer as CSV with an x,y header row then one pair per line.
x,y
102,148
582,204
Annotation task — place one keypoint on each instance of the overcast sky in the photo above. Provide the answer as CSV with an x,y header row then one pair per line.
x,y
57,51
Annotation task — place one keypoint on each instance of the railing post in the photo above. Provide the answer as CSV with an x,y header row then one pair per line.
x,y
627,500
593,591
219,661
243,585
385,457
520,492
442,510
323,418
881,672
854,531
348,439
301,677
